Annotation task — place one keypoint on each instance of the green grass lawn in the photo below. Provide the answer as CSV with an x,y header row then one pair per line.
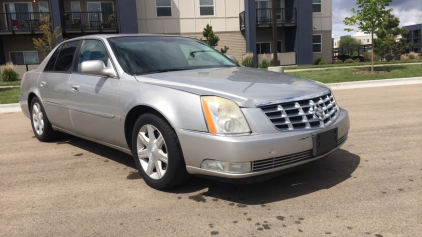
x,y
355,64
9,95
11,83
346,75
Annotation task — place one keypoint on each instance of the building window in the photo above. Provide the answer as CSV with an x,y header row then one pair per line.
x,y
43,7
316,5
21,58
206,7
317,43
262,48
367,40
279,46
163,7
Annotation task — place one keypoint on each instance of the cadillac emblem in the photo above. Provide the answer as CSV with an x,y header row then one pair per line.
x,y
318,112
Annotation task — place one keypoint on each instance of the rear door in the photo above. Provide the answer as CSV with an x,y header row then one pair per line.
x,y
53,85
93,98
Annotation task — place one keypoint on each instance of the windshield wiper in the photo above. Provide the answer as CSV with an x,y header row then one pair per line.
x,y
167,70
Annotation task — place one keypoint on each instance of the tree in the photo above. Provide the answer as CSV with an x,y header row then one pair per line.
x,y
348,41
49,39
210,38
388,44
369,18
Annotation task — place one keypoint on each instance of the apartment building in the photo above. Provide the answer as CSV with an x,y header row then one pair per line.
x,y
414,37
303,26
365,39
20,23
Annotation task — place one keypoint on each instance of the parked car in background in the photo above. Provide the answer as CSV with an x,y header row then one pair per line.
x,y
181,108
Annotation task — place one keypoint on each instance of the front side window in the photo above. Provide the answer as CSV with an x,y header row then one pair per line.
x,y
65,59
92,50
317,43
163,7
50,65
262,48
316,5
150,54
20,58
206,7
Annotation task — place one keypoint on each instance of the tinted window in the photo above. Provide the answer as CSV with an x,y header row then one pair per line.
x,y
50,65
92,50
65,58
141,55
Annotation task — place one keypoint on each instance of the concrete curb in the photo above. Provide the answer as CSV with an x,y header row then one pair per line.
x,y
360,66
375,83
7,108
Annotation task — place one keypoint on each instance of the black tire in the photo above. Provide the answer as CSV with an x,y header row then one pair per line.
x,y
176,173
48,133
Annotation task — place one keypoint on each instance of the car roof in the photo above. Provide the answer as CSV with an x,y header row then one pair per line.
x,y
107,36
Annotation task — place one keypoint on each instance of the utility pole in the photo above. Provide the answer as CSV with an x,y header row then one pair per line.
x,y
275,62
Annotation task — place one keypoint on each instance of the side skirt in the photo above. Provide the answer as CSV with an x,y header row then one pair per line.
x,y
122,149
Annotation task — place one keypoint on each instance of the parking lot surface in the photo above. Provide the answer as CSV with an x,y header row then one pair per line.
x,y
372,186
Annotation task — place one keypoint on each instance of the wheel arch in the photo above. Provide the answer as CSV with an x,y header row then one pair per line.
x,y
134,114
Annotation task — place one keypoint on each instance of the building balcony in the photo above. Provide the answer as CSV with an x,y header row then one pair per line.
x,y
285,17
21,23
89,22
286,58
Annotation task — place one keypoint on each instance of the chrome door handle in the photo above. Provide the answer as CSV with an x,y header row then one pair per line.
x,y
42,83
75,88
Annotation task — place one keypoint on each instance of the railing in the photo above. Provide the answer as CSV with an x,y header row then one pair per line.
x,y
284,16
21,22
91,21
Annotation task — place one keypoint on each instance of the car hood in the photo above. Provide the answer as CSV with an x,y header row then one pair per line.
x,y
246,86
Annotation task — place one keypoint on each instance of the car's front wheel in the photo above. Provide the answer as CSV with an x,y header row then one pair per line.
x,y
157,153
40,123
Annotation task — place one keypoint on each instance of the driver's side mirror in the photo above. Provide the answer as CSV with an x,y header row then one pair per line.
x,y
97,67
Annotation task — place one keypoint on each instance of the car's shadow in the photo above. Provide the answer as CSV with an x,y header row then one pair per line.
x,y
320,175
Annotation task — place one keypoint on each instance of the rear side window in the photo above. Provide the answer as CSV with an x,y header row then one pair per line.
x,y
65,59
50,65
92,50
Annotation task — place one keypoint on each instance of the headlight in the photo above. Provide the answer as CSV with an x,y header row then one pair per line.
x,y
224,116
227,167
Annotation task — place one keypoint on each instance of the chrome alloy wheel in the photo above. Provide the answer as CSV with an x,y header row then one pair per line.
x,y
38,118
152,151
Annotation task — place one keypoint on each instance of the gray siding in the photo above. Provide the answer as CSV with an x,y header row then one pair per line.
x,y
327,47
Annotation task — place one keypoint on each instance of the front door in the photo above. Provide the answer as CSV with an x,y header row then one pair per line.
x,y
93,98
53,85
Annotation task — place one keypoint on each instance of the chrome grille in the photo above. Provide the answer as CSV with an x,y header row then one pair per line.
x,y
261,165
299,115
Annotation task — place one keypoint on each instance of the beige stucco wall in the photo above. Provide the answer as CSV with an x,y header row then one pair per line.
x,y
323,20
186,17
288,58
327,48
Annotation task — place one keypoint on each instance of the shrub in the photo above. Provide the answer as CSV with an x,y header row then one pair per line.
x,y
318,60
264,64
9,73
403,57
413,55
357,60
322,63
248,60
350,61
367,56
339,62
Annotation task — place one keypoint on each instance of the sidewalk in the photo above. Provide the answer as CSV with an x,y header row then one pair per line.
x,y
325,68
9,86
8,108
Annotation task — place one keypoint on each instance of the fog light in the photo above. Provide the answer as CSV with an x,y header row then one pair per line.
x,y
227,167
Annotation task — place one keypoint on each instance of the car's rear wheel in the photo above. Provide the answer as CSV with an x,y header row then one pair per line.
x,y
40,124
157,153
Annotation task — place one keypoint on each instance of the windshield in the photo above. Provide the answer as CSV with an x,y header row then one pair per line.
x,y
154,54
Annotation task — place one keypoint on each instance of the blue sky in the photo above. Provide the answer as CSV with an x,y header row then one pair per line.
x,y
409,12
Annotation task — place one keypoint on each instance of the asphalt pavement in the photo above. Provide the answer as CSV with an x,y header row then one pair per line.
x,y
372,186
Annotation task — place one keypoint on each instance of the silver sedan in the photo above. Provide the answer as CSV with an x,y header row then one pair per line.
x,y
181,108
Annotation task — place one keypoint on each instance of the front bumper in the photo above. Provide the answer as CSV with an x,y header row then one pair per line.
x,y
198,146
